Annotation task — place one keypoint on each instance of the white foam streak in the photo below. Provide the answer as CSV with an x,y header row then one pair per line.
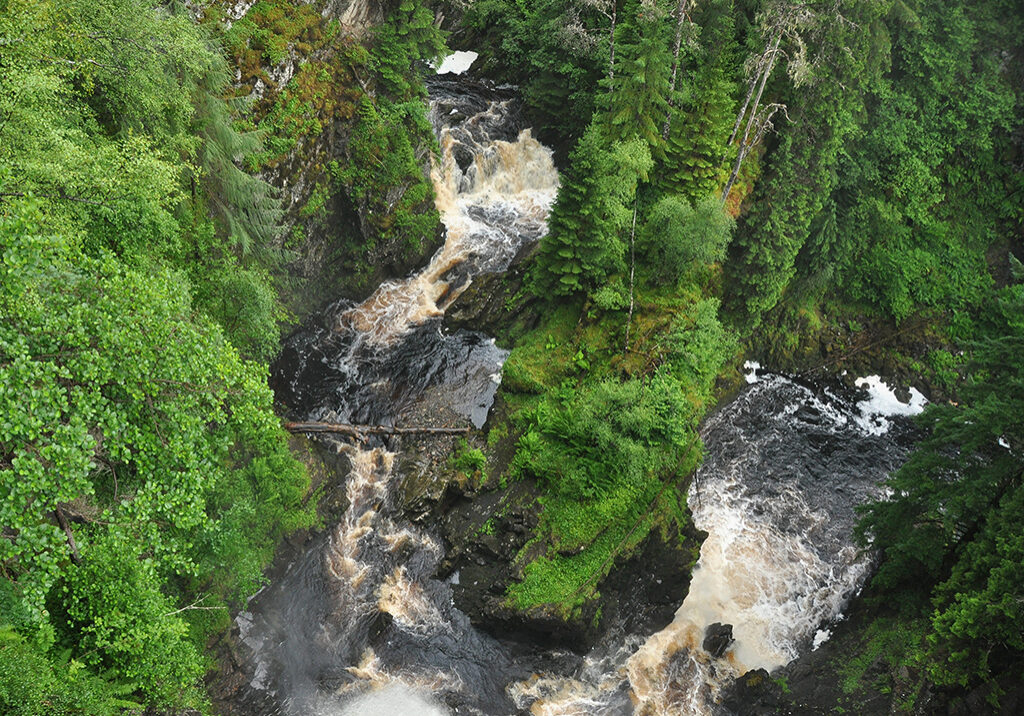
x,y
367,487
405,601
457,63
385,694
589,695
751,367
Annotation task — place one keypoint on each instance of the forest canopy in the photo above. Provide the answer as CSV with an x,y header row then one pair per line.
x,y
736,176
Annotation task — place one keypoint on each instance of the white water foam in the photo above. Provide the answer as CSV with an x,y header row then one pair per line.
x,y
751,375
820,637
394,700
457,63
882,403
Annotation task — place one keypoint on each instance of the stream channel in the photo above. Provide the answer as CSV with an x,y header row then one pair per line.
x,y
360,623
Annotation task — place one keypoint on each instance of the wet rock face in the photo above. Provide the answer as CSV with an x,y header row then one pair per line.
x,y
717,639
642,594
492,302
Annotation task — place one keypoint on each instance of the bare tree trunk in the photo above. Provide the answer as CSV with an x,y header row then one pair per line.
x,y
681,14
740,156
767,57
746,102
632,270
62,520
763,124
611,46
745,143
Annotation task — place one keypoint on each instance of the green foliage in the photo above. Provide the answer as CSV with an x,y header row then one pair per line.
x,y
467,459
917,207
409,36
556,51
676,235
691,159
889,183
31,684
116,125
248,207
584,243
245,305
955,521
893,641
637,99
384,174
585,442
123,407
611,297
697,346
609,450
268,30
121,620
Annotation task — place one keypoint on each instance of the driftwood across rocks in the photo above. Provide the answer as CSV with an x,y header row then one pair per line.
x,y
361,431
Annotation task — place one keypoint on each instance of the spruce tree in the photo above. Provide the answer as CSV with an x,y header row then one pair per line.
x,y
690,162
638,95
584,243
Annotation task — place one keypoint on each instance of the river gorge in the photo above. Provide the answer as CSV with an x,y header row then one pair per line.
x,y
364,620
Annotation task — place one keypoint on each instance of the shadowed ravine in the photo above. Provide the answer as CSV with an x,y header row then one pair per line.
x,y
358,624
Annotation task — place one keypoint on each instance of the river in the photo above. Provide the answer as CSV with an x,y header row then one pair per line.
x,y
359,623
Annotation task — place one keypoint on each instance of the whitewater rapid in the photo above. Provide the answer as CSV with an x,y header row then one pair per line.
x,y
786,466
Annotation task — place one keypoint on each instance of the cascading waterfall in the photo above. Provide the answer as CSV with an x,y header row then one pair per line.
x,y
326,637
491,205
357,625
785,468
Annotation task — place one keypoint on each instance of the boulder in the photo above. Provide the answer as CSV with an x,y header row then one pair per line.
x,y
717,639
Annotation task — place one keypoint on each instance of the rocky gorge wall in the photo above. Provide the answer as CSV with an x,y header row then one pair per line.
x,y
303,71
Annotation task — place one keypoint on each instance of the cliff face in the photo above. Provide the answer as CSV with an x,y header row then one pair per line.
x,y
355,15
305,70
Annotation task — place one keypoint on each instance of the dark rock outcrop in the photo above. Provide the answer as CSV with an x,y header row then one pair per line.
x,y
717,639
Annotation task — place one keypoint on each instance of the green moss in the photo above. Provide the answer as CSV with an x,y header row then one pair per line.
x,y
895,642
268,31
612,461
322,91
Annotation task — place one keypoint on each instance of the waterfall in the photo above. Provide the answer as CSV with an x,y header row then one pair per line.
x,y
358,624
490,208
786,466
326,637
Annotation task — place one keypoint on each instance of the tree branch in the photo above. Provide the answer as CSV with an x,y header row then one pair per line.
x,y
62,520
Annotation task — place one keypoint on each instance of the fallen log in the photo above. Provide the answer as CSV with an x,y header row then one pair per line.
x,y
359,431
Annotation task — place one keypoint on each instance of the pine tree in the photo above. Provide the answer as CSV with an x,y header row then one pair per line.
x,y
691,159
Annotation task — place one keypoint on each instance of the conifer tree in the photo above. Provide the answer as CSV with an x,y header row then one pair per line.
x,y
638,95
584,243
690,162
693,155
